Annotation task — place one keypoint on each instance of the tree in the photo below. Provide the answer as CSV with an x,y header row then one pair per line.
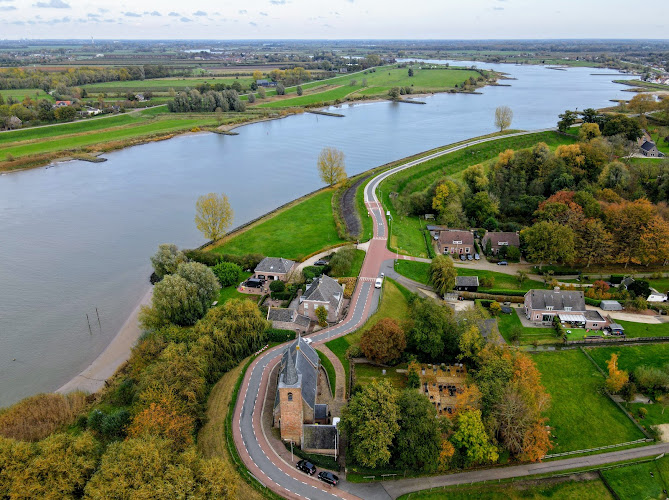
x,y
593,242
522,276
481,207
384,342
65,113
471,343
615,176
442,274
418,441
257,75
394,93
495,308
567,119
471,438
588,131
277,286
213,215
432,333
331,166
228,273
410,71
252,98
549,242
476,179
167,259
180,301
629,222
262,93
642,103
280,89
654,245
617,378
299,90
322,315
164,419
503,117
204,280
370,422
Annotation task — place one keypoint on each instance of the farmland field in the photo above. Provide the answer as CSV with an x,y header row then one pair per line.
x,y
580,416
20,94
162,84
631,356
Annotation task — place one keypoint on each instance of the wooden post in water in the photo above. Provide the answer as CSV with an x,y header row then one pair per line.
x,y
96,312
89,324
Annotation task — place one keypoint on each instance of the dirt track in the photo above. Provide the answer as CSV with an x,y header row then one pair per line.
x,y
348,208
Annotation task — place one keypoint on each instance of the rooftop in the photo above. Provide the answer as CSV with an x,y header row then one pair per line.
x,y
274,265
556,300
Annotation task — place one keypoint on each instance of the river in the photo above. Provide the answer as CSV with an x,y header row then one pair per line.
x,y
75,239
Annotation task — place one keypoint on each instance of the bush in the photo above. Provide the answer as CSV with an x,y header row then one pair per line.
x,y
36,417
311,272
277,286
349,286
282,295
592,302
384,342
247,262
207,258
279,335
228,273
341,262
487,282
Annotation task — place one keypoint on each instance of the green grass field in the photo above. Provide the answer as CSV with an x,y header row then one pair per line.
x,y
230,292
329,369
329,95
660,284
631,356
644,481
406,235
364,374
581,417
294,233
162,84
568,490
20,94
528,336
418,271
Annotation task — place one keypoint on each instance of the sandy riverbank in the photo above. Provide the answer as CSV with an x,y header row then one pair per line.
x,y
93,378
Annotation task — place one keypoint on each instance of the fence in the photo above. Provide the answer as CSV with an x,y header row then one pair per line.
x,y
600,448
624,340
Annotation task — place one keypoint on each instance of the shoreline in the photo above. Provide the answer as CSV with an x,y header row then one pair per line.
x,y
117,352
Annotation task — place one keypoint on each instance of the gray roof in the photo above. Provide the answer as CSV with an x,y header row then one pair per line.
x,y
321,411
436,228
593,316
324,289
616,326
466,281
288,316
627,281
557,299
318,437
648,146
299,369
274,265
610,305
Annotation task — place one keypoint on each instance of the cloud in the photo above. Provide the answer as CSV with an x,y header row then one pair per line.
x,y
243,11
52,4
263,14
173,14
498,8
57,21
200,13
18,23
185,20
252,23
93,16
8,7
278,2
156,13
103,10
131,14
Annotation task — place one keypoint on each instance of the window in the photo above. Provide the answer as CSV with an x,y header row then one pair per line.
x,y
549,308
290,396
503,243
567,308
467,249
327,307
457,242
306,305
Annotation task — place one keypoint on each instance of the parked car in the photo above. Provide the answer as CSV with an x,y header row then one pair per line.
x,y
254,283
469,257
462,257
307,340
379,282
502,263
477,256
307,467
328,477
321,263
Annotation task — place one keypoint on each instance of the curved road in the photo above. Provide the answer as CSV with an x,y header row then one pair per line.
x,y
249,436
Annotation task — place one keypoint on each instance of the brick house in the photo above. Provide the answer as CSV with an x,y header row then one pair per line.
x,y
499,239
323,291
649,149
541,306
295,401
455,241
273,268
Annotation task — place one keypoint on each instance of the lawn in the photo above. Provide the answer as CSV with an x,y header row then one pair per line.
x,y
356,265
507,322
580,333
394,304
365,373
230,292
631,356
294,233
20,94
581,417
329,369
660,284
367,224
329,95
634,330
418,271
405,232
567,490
642,481
654,415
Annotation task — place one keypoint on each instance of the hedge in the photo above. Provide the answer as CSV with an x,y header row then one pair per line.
x,y
279,335
502,291
498,297
593,302
282,295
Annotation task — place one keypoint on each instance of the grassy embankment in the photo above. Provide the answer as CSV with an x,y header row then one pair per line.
x,y
35,146
581,417
378,85
293,233
394,304
211,440
406,233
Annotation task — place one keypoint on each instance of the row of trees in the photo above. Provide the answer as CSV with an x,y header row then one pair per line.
x,y
192,100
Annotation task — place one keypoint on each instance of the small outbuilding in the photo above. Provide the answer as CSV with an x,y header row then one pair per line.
x,y
467,283
610,305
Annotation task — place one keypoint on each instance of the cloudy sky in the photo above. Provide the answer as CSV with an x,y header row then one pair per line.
x,y
433,19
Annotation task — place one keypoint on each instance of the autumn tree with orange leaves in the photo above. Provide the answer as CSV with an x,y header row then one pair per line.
x,y
617,378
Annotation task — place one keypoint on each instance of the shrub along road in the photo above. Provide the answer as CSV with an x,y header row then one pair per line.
x,y
283,478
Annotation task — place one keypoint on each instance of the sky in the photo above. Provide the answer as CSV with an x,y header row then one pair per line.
x,y
333,19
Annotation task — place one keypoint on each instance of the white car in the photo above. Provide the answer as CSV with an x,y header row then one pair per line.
x,y
379,282
307,340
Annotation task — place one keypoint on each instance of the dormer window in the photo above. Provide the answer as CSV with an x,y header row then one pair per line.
x,y
455,242
503,243
549,308
567,308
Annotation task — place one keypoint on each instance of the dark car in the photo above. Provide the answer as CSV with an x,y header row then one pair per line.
x,y
321,263
254,283
307,467
502,263
328,477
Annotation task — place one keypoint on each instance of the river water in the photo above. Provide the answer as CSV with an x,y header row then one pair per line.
x,y
75,239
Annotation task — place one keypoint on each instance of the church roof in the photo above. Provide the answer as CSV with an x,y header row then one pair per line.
x,y
299,369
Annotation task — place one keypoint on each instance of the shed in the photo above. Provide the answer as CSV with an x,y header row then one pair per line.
x,y
616,328
467,283
610,305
